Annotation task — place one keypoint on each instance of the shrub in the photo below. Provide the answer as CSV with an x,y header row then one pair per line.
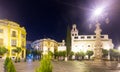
x,y
45,64
9,66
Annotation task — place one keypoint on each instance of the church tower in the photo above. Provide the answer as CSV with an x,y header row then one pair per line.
x,y
74,31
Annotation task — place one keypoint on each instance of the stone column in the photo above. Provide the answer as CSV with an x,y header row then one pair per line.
x,y
98,44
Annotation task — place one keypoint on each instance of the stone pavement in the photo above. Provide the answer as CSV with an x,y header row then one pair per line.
x,y
26,66
1,65
62,66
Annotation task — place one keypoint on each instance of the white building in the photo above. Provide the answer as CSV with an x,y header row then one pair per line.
x,y
87,42
46,45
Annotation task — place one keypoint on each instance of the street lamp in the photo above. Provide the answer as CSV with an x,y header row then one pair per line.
x,y
119,48
98,11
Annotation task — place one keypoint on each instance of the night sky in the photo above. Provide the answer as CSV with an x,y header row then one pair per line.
x,y
50,18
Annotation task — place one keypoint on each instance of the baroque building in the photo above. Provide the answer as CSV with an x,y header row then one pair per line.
x,y
87,42
12,36
46,45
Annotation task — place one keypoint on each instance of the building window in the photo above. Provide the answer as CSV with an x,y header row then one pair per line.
x,y
23,44
75,34
13,42
82,37
13,33
76,37
72,34
22,35
88,37
88,45
13,52
1,30
22,53
102,36
1,41
94,37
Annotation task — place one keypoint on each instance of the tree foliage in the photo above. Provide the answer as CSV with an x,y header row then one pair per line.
x,y
114,54
17,50
80,55
3,50
105,52
89,53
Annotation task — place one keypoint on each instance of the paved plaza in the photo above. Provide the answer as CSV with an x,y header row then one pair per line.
x,y
62,66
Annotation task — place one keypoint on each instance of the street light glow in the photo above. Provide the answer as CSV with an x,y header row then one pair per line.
x,y
119,48
98,11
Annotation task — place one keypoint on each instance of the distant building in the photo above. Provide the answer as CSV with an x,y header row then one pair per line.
x,y
12,36
87,42
46,45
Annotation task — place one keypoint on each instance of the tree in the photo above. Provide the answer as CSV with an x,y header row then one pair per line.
x,y
80,55
105,52
17,50
68,41
114,54
45,64
89,53
37,54
3,50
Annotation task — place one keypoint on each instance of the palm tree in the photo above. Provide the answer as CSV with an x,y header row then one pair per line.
x,y
17,50
89,53
3,50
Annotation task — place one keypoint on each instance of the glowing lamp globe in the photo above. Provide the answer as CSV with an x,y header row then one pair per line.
x,y
98,11
119,48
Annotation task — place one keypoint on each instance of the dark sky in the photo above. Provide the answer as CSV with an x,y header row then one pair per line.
x,y
49,18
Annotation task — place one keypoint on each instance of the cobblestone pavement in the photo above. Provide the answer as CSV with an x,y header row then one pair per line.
x,y
61,66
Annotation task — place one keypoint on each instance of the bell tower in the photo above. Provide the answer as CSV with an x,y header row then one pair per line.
x,y
74,31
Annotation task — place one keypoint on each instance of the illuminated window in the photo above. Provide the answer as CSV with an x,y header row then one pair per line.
x,y
13,33
22,35
1,41
13,42
23,44
1,30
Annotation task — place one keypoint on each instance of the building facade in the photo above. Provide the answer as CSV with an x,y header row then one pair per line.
x,y
12,36
87,42
46,45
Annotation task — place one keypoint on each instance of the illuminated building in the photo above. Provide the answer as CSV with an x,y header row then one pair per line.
x,y
87,42
46,45
12,36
